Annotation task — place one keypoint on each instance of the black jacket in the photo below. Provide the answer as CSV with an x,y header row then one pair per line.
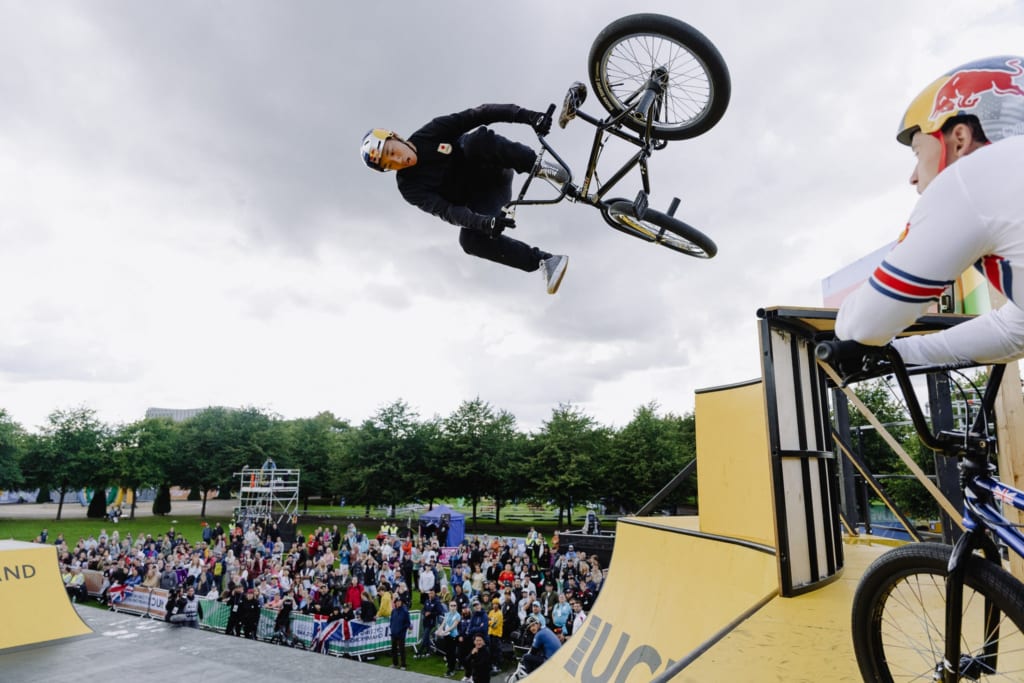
x,y
441,179
249,611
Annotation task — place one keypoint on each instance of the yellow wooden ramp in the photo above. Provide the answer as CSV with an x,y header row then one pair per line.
x,y
805,639
33,603
672,592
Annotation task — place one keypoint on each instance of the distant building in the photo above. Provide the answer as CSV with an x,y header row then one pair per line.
x,y
178,414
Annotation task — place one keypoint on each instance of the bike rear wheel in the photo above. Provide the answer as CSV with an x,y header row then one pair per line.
x,y
659,228
899,618
626,52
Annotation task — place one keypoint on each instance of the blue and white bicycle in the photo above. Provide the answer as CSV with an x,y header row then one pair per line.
x,y
934,612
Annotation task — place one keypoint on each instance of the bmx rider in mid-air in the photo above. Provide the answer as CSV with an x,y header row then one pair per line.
x,y
459,170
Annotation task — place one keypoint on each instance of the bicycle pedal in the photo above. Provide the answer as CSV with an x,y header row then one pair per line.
x,y
575,97
640,204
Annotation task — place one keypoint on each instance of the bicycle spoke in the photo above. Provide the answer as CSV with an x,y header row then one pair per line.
x,y
912,626
630,63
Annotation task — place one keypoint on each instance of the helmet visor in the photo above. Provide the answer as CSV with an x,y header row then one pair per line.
x,y
372,148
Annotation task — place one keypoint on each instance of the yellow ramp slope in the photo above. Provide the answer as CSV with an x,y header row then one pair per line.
x,y
805,639
33,602
670,593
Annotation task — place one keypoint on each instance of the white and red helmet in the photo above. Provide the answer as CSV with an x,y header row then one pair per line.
x,y
990,89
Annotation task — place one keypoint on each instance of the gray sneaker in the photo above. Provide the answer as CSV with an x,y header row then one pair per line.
x,y
555,174
554,270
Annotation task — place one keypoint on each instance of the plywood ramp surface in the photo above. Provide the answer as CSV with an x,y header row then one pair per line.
x,y
669,591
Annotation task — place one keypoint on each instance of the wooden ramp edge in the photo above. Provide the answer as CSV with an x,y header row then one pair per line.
x,y
671,593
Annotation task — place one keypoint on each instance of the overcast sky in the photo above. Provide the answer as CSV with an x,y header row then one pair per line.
x,y
185,220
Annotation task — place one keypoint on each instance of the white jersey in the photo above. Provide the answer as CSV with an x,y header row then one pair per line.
x,y
972,213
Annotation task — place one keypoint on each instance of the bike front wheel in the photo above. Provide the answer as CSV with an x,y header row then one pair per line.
x,y
899,616
623,57
659,228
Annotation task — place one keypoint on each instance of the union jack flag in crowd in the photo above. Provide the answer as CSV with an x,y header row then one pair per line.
x,y
118,593
324,632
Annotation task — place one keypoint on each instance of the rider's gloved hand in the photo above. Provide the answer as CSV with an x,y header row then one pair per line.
x,y
495,225
539,121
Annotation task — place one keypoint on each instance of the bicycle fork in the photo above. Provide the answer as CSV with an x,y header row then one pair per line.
x,y
955,665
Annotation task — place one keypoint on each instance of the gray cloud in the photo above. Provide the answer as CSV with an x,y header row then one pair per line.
x,y
190,132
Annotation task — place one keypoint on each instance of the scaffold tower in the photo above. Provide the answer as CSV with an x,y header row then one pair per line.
x,y
266,492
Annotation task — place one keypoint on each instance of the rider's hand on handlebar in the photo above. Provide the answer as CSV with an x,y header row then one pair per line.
x,y
494,226
854,361
539,121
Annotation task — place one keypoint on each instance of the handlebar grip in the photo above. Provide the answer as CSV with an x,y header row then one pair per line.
x,y
550,111
838,350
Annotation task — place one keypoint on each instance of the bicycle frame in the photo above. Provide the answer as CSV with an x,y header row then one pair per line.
x,y
981,514
980,511
981,491
644,101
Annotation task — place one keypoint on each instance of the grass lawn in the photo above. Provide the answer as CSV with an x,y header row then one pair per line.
x,y
516,520
73,529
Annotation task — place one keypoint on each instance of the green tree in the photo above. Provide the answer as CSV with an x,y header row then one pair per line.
x,y
72,451
432,460
12,438
162,501
646,454
218,442
139,453
209,454
908,493
311,443
564,468
480,444
373,464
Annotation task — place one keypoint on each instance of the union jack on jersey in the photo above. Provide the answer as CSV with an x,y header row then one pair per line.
x,y
997,270
902,286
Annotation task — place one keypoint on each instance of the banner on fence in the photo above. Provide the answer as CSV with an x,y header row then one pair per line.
x,y
140,600
342,637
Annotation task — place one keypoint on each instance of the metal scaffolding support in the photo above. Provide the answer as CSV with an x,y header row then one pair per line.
x,y
266,492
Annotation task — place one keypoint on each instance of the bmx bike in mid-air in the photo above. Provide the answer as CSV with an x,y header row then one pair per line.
x,y
659,79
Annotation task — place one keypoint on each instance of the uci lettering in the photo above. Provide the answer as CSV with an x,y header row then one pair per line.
x,y
15,572
591,646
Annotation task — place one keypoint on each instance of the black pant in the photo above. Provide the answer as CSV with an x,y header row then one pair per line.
x,y
249,628
495,643
531,661
449,646
398,648
497,158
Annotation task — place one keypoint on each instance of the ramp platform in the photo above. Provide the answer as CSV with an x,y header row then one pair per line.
x,y
33,602
688,607
671,592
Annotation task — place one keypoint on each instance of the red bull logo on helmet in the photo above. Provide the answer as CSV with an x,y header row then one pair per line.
x,y
962,92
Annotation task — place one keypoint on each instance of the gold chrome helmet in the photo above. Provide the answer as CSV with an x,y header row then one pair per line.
x,y
372,147
990,89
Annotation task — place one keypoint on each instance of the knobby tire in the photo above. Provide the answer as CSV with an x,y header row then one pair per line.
x,y
898,616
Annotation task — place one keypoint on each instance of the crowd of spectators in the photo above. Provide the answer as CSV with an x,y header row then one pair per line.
x,y
487,587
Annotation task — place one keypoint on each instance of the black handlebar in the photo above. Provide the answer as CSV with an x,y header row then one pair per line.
x,y
837,350
855,362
